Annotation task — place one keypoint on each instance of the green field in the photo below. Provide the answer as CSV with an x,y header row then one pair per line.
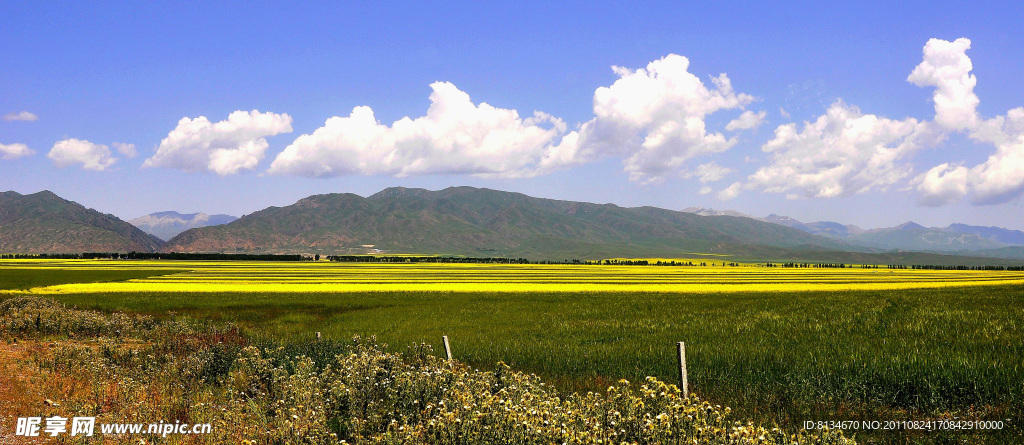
x,y
22,278
788,357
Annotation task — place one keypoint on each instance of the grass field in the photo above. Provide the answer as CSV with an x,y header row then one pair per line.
x,y
25,278
787,345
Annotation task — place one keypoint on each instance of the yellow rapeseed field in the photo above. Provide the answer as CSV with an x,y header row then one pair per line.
x,y
327,277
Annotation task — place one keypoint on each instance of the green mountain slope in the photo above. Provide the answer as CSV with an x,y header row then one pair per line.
x,y
483,222
46,223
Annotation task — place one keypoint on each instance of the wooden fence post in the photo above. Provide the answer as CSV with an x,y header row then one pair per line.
x,y
682,369
447,348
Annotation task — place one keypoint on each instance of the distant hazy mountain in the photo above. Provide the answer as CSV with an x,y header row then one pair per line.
x,y
823,228
483,222
1005,236
46,223
705,211
165,225
957,238
913,236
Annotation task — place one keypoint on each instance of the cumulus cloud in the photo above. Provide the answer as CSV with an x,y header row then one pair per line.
x,y
730,192
999,179
841,153
654,116
77,151
845,151
455,137
225,147
747,121
942,184
21,116
126,150
947,68
15,151
709,172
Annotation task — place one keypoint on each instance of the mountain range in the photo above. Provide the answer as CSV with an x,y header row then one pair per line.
x,y
909,236
482,222
165,225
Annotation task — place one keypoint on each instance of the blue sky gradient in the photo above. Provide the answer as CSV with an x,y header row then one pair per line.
x,y
104,73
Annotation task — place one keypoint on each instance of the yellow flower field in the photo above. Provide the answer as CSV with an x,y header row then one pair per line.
x,y
327,277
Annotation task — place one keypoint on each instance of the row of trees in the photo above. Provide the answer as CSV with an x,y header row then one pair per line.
x,y
427,259
477,260
814,265
940,267
896,266
436,259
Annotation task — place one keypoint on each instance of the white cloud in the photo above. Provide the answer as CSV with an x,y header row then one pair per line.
x,y
783,113
127,150
224,147
942,184
21,116
655,117
77,151
705,190
845,152
746,121
841,153
455,137
15,151
999,179
652,117
947,67
709,172
730,192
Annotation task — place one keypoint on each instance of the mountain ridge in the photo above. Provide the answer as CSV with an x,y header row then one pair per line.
x,y
484,222
43,222
480,221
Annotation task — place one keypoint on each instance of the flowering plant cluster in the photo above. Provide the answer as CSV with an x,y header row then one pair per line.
x,y
353,392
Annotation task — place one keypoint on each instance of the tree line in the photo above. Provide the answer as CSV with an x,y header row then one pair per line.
x,y
896,266
463,260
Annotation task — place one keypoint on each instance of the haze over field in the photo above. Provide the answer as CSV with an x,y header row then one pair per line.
x,y
870,115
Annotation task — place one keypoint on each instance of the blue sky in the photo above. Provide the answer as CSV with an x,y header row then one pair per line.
x,y
834,128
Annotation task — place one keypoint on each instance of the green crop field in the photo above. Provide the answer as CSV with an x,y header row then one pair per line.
x,y
950,346
24,278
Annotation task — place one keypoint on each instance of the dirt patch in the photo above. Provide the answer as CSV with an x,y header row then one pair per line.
x,y
19,395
